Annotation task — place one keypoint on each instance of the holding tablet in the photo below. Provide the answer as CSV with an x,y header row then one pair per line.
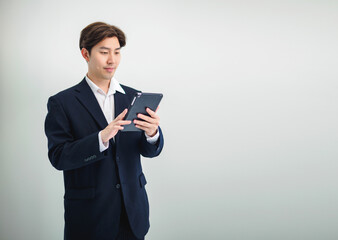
x,y
139,104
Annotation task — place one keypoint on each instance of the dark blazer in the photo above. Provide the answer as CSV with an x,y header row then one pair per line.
x,y
95,182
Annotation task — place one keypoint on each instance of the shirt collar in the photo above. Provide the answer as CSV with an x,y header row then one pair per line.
x,y
113,87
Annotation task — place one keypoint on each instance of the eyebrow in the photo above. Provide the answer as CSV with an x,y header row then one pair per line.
x,y
109,48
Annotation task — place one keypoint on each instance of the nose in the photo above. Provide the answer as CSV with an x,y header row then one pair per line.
x,y
111,59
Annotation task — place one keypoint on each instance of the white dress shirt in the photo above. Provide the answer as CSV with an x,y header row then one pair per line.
x,y
106,102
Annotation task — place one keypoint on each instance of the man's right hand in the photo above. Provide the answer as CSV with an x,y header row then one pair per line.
x,y
113,127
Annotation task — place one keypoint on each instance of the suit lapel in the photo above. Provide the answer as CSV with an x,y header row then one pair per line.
x,y
87,98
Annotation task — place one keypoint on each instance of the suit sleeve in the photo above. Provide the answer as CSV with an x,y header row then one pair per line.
x,y
149,149
65,152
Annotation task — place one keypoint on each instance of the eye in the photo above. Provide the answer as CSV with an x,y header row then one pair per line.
x,y
117,53
104,52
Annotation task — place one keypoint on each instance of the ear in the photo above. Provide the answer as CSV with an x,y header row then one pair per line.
x,y
85,54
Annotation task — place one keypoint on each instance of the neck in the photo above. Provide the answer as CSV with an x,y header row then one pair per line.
x,y
101,83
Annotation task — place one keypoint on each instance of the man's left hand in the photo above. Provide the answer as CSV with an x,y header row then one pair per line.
x,y
150,123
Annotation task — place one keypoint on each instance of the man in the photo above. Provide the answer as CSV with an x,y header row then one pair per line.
x,y
105,196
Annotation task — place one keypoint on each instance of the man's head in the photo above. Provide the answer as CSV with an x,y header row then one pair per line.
x,y
100,45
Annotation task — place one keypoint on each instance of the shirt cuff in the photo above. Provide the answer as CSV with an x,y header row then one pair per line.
x,y
103,146
153,139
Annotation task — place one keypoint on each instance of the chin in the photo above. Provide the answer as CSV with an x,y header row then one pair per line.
x,y
108,77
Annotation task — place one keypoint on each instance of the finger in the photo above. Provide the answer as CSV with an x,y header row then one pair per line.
x,y
119,128
151,112
116,129
143,123
157,108
123,122
141,127
146,118
121,115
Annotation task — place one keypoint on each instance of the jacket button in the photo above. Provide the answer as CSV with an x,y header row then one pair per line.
x,y
118,186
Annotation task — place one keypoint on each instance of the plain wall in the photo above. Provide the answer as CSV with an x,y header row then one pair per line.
x,y
249,113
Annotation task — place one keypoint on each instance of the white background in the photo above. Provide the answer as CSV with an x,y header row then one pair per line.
x,y
249,113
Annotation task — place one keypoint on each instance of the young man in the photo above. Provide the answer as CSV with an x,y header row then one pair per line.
x,y
105,196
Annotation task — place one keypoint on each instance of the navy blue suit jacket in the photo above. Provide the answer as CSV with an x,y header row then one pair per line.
x,y
95,182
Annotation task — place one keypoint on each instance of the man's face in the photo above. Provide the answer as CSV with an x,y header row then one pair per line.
x,y
104,59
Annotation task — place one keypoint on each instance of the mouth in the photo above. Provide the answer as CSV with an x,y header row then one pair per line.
x,y
109,69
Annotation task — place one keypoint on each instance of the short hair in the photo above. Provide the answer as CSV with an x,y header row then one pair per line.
x,y
98,31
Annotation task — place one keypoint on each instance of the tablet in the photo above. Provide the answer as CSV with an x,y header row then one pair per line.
x,y
139,104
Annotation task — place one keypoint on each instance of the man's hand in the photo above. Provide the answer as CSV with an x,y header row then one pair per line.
x,y
113,127
150,124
